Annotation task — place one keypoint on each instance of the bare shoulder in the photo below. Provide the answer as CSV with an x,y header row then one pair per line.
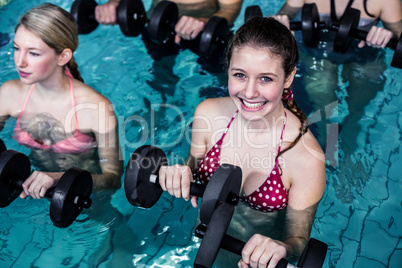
x,y
389,3
94,111
390,11
12,96
210,114
86,96
310,150
85,93
308,172
304,168
306,155
215,106
307,150
214,112
12,87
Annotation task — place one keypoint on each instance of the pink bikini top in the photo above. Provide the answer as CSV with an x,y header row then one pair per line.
x,y
270,196
78,143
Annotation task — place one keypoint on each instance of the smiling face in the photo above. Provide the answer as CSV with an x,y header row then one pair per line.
x,y
256,82
35,61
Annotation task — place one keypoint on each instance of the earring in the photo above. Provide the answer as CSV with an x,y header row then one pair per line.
x,y
287,94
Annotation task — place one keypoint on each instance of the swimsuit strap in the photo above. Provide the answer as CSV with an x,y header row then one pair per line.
x,y
280,140
73,101
365,9
333,10
67,72
70,76
227,128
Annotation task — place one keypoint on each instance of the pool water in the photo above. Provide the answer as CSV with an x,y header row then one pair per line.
x,y
359,216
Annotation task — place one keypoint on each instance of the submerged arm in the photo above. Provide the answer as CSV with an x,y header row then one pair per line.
x,y
298,228
391,16
307,188
7,95
3,119
177,179
110,156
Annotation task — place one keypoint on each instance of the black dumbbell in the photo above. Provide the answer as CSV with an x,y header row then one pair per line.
x,y
2,146
251,12
70,196
214,237
310,23
347,30
131,16
141,182
214,36
163,21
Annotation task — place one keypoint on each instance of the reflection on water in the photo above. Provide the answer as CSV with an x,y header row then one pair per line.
x,y
362,200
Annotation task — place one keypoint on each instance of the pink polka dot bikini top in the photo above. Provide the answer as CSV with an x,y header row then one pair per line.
x,y
269,197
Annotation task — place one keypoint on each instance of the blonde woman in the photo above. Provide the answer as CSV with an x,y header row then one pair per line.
x,y
65,122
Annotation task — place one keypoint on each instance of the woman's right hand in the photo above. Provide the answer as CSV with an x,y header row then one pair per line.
x,y
262,251
377,37
177,180
106,13
38,183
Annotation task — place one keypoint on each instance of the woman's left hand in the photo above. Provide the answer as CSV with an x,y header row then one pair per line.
x,y
261,251
377,37
38,183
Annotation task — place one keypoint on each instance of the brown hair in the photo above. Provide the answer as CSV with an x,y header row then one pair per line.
x,y
56,27
268,33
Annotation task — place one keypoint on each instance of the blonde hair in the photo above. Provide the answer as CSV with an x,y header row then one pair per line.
x,y
56,27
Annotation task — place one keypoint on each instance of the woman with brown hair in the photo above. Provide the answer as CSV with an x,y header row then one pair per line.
x,y
259,128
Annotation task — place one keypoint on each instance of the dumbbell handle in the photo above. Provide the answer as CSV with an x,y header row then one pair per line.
x,y
297,25
136,16
78,200
362,35
199,189
235,245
